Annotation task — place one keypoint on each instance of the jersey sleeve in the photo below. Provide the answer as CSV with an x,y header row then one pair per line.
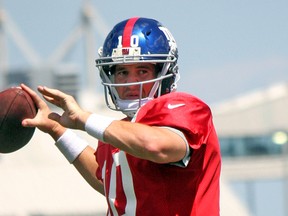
x,y
180,111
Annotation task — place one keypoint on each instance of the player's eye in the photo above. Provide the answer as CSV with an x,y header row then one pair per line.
x,y
121,73
143,72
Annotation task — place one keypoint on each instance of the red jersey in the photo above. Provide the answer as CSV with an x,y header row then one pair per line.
x,y
135,186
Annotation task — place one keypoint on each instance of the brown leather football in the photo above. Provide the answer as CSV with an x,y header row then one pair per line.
x,y
15,105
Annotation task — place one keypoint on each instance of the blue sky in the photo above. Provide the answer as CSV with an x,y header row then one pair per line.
x,y
226,48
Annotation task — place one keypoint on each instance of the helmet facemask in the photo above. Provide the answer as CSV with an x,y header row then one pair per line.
x,y
129,107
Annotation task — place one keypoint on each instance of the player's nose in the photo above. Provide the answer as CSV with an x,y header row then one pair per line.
x,y
132,78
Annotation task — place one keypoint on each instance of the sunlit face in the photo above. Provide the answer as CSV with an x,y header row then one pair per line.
x,y
134,73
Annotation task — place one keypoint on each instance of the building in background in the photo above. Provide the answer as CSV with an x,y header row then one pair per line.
x,y
253,132
55,71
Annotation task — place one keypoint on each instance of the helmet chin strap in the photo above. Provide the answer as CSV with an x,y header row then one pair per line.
x,y
130,107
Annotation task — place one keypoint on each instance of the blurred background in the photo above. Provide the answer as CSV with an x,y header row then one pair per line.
x,y
233,55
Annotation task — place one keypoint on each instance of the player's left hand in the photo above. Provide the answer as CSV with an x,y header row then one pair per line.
x,y
73,116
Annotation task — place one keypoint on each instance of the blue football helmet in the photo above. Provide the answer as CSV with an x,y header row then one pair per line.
x,y
138,40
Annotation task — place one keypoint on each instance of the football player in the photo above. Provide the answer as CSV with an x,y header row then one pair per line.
x,y
164,157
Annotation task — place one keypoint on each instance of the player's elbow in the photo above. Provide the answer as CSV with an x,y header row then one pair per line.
x,y
157,152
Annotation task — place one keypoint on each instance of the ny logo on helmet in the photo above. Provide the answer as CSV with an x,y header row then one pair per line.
x,y
125,51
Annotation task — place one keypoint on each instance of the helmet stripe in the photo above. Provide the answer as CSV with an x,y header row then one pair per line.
x,y
128,31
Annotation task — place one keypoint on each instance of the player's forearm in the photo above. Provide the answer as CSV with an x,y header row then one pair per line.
x,y
86,165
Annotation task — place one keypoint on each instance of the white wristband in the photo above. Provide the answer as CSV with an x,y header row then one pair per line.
x,y
97,124
71,145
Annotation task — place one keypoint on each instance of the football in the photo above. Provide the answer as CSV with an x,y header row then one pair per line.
x,y
15,105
